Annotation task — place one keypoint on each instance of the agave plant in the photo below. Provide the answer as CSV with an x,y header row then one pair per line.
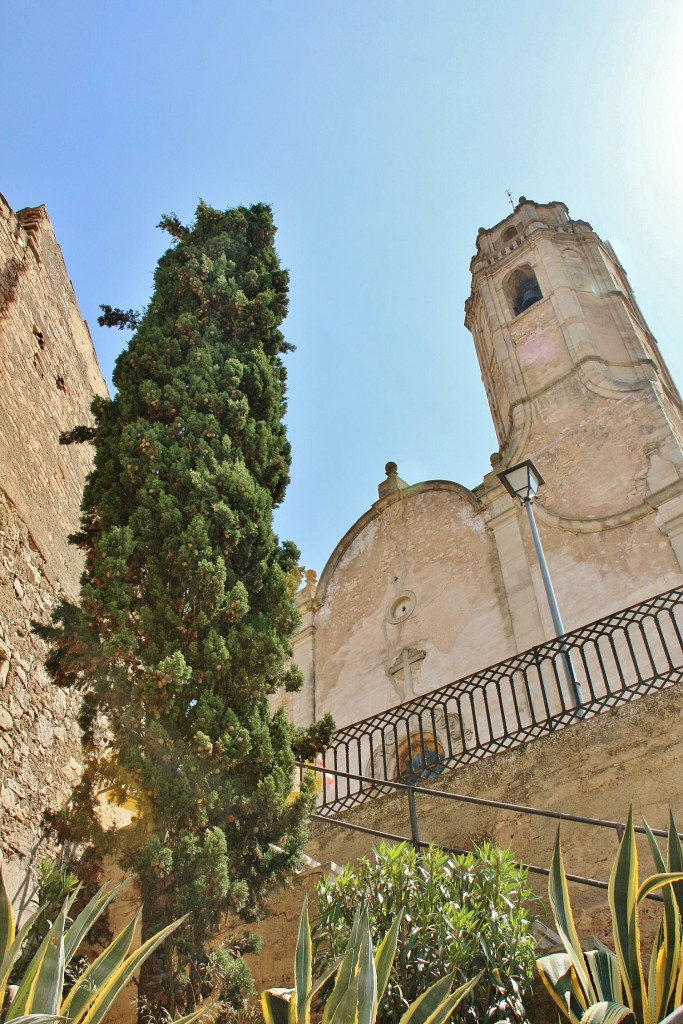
x,y
361,979
601,987
39,995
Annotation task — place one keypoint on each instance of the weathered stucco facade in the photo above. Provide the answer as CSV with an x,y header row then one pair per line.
x,y
48,376
435,581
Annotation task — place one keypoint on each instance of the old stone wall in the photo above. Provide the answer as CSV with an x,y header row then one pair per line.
x,y
48,377
39,740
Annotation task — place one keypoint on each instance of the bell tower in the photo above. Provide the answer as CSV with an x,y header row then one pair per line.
x,y
551,300
575,381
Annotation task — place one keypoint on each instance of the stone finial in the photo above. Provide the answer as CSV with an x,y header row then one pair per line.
x,y
393,481
311,583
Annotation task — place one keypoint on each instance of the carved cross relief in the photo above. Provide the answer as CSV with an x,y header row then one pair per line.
x,y
402,671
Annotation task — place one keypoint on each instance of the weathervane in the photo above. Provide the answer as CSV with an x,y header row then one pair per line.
x,y
509,195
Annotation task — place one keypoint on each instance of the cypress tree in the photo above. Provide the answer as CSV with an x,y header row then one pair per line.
x,y
187,604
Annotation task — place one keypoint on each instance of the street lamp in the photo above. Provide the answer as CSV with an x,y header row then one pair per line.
x,y
522,482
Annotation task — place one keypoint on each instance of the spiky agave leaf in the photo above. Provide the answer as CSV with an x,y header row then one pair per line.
x,y
559,977
564,922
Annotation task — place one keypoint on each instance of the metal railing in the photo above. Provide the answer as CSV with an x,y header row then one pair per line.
x,y
614,660
411,791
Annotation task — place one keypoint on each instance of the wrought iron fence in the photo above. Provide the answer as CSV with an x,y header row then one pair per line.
x,y
609,662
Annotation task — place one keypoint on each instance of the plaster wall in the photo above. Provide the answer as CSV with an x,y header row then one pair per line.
x,y
412,598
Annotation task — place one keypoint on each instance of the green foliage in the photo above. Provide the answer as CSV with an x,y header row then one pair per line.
x,y
313,739
465,915
122,319
601,987
39,994
54,886
77,436
360,982
186,607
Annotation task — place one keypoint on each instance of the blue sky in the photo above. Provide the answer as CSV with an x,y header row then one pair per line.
x,y
384,134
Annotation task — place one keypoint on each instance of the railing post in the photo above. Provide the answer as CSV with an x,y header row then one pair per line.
x,y
414,831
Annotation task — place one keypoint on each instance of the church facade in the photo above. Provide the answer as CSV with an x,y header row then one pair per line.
x,y
436,581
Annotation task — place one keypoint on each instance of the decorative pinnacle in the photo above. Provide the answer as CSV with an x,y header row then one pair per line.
x,y
393,481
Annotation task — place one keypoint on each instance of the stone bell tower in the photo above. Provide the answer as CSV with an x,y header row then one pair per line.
x,y
575,381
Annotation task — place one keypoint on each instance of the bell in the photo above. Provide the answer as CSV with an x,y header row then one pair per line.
x,y
531,294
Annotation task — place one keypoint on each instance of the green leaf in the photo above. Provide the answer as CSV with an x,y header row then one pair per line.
x,y
422,1010
275,1003
190,1018
98,973
7,929
666,950
367,981
347,967
87,917
606,1013
302,966
441,1015
11,954
604,969
47,991
325,976
564,921
384,957
559,977
655,882
675,859
105,998
346,1010
23,999
36,1018
623,900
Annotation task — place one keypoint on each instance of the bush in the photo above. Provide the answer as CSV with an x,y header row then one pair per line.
x,y
361,976
465,914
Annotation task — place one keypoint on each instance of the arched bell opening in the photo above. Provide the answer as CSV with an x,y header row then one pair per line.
x,y
522,289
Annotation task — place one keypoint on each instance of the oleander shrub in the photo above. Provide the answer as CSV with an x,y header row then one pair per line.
x,y
466,914
357,982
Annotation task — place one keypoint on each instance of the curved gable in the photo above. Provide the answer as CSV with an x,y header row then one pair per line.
x,y
406,602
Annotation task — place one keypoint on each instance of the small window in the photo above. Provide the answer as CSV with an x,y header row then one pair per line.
x,y
522,289
39,337
509,234
59,381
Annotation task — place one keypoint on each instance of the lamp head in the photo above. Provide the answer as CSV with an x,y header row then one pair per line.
x,y
522,481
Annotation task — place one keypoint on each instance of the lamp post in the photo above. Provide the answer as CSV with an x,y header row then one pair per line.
x,y
522,482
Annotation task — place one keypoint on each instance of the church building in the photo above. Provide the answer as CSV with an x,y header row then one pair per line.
x,y
436,582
